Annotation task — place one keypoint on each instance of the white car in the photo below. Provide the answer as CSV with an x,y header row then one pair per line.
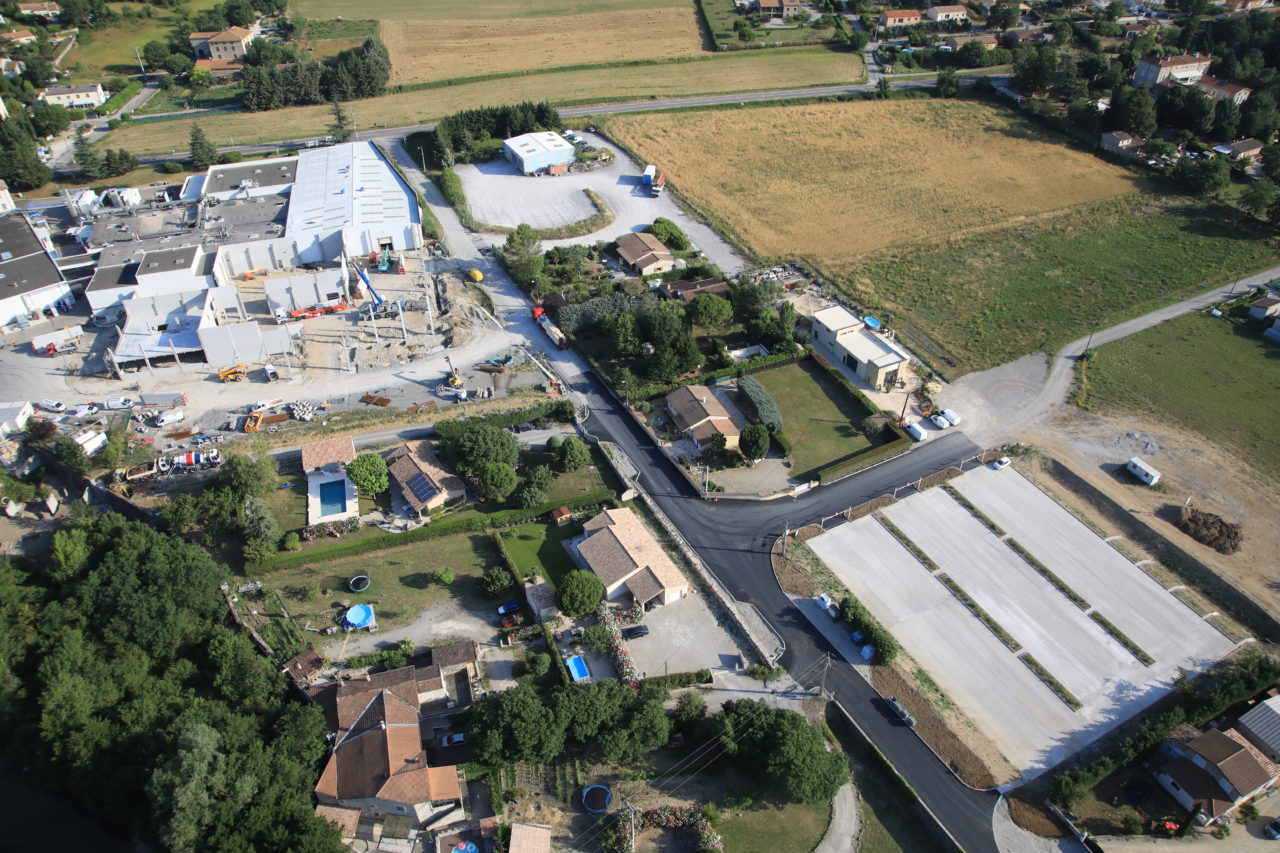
x,y
53,406
939,421
916,432
1002,462
84,410
951,417
455,739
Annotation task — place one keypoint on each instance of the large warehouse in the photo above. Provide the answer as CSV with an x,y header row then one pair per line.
x,y
30,281
533,152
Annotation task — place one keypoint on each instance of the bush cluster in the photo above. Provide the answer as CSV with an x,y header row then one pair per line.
x,y
680,679
758,398
860,618
575,319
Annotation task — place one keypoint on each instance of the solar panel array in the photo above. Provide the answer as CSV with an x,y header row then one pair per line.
x,y
422,488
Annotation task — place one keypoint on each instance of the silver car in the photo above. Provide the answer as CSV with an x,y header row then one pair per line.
x,y
939,421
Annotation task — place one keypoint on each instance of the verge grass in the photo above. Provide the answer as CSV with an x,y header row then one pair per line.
x,y
1216,377
768,828
739,72
821,421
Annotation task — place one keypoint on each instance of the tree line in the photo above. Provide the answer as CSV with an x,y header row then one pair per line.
x,y
463,136
273,80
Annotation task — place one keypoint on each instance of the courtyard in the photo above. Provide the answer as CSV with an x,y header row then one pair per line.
x,y
991,678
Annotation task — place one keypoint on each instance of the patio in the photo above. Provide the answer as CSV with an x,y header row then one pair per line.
x,y
331,496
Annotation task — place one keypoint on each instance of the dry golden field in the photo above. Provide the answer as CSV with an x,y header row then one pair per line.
x,y
436,50
737,72
828,182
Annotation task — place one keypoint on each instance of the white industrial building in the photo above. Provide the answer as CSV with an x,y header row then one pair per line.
x,y
158,272
242,180
30,281
294,277
534,152
860,345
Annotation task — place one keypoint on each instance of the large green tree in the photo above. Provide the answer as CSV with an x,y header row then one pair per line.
x,y
754,442
578,593
710,311
253,474
498,480
369,472
514,725
202,153
475,447
573,454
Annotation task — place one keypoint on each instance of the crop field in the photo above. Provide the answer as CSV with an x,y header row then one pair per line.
x,y
443,10
739,72
979,236
1212,376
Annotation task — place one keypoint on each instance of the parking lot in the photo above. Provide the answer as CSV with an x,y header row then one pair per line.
x,y
683,637
498,195
1032,726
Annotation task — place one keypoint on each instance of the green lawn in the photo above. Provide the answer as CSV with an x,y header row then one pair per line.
x,y
403,583
538,547
721,15
794,827
289,508
822,422
110,50
182,98
1216,377
981,300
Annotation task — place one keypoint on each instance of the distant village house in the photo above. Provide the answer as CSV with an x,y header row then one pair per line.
x,y
645,253
900,18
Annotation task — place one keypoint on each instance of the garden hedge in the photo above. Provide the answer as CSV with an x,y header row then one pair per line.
x,y
547,634
865,459
766,410
853,612
557,410
119,99
680,679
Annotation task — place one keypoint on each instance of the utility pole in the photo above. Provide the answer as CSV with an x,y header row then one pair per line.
x,y
786,531
141,67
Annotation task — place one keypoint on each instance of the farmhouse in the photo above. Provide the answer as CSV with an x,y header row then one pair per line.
x,y
846,338
1264,308
1122,142
699,414
687,291
231,43
418,481
645,253
1221,90
30,281
1186,68
331,496
947,13
1220,769
781,8
377,763
900,18
47,10
624,555
86,96
536,152
988,40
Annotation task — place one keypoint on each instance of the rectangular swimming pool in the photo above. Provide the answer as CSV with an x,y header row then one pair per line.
x,y
333,497
577,668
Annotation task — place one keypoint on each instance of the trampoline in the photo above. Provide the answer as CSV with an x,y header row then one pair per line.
x,y
359,583
595,799
578,668
360,616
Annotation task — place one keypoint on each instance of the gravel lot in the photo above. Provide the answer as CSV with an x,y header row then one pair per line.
x,y
683,636
500,196
996,690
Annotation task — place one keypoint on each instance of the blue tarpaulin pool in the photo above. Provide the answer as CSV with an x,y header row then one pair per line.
x,y
333,497
359,616
577,668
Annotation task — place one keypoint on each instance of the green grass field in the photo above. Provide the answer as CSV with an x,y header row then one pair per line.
x,y
818,417
769,828
403,584
538,547
1212,376
980,300
182,98
110,51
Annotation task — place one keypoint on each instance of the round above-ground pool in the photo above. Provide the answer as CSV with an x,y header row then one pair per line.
x,y
595,798
358,617
463,847
359,583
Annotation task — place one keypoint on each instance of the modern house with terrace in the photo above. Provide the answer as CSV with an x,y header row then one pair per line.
x,y
858,345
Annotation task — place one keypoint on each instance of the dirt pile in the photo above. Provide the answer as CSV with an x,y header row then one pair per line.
x,y
1210,529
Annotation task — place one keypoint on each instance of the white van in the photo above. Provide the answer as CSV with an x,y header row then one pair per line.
x,y
172,416
53,406
120,403
915,432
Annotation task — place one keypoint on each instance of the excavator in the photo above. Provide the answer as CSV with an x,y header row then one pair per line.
x,y
234,374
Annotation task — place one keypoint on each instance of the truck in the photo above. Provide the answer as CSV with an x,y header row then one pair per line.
x,y
553,331
197,459
61,340
234,374
659,185
650,172
163,398
267,405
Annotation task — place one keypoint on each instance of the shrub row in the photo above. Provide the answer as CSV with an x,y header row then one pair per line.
x,y
1195,705
575,319
916,550
784,443
1049,681
755,365
976,609
119,99
552,650
766,410
1047,574
865,459
974,511
680,679
1119,636
502,518
451,188
500,543
853,612
557,410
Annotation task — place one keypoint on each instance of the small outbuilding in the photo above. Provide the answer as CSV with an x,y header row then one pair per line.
x,y
1144,472
536,152
1264,308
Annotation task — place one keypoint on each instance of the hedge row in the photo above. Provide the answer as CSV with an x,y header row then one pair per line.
x,y
766,410
1120,637
561,410
853,612
1194,705
865,459
755,365
1052,683
554,651
680,679
502,518
976,609
119,99
451,188
784,443
1045,572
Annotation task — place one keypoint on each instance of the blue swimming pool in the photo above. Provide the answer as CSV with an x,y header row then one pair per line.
x,y
577,668
333,497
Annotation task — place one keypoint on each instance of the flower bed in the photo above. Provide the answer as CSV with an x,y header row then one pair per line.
x,y
619,654
336,529
618,836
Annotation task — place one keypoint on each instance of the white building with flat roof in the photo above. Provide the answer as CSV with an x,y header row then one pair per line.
x,y
533,152
872,355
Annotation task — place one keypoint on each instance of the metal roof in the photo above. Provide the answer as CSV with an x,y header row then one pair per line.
x,y
261,173
347,186
24,264
1263,722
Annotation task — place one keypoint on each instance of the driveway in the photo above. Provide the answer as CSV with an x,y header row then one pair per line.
x,y
498,195
683,637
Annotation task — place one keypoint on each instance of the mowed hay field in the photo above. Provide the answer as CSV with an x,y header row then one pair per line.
x,y
438,50
738,72
829,182
455,38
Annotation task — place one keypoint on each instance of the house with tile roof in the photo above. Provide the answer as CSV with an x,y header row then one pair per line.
x,y
331,496
621,551
377,764
646,253
231,43
699,414
1219,769
419,481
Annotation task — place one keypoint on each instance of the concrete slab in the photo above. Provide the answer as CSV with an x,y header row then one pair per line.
x,y
683,637
1058,634
1162,625
980,674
